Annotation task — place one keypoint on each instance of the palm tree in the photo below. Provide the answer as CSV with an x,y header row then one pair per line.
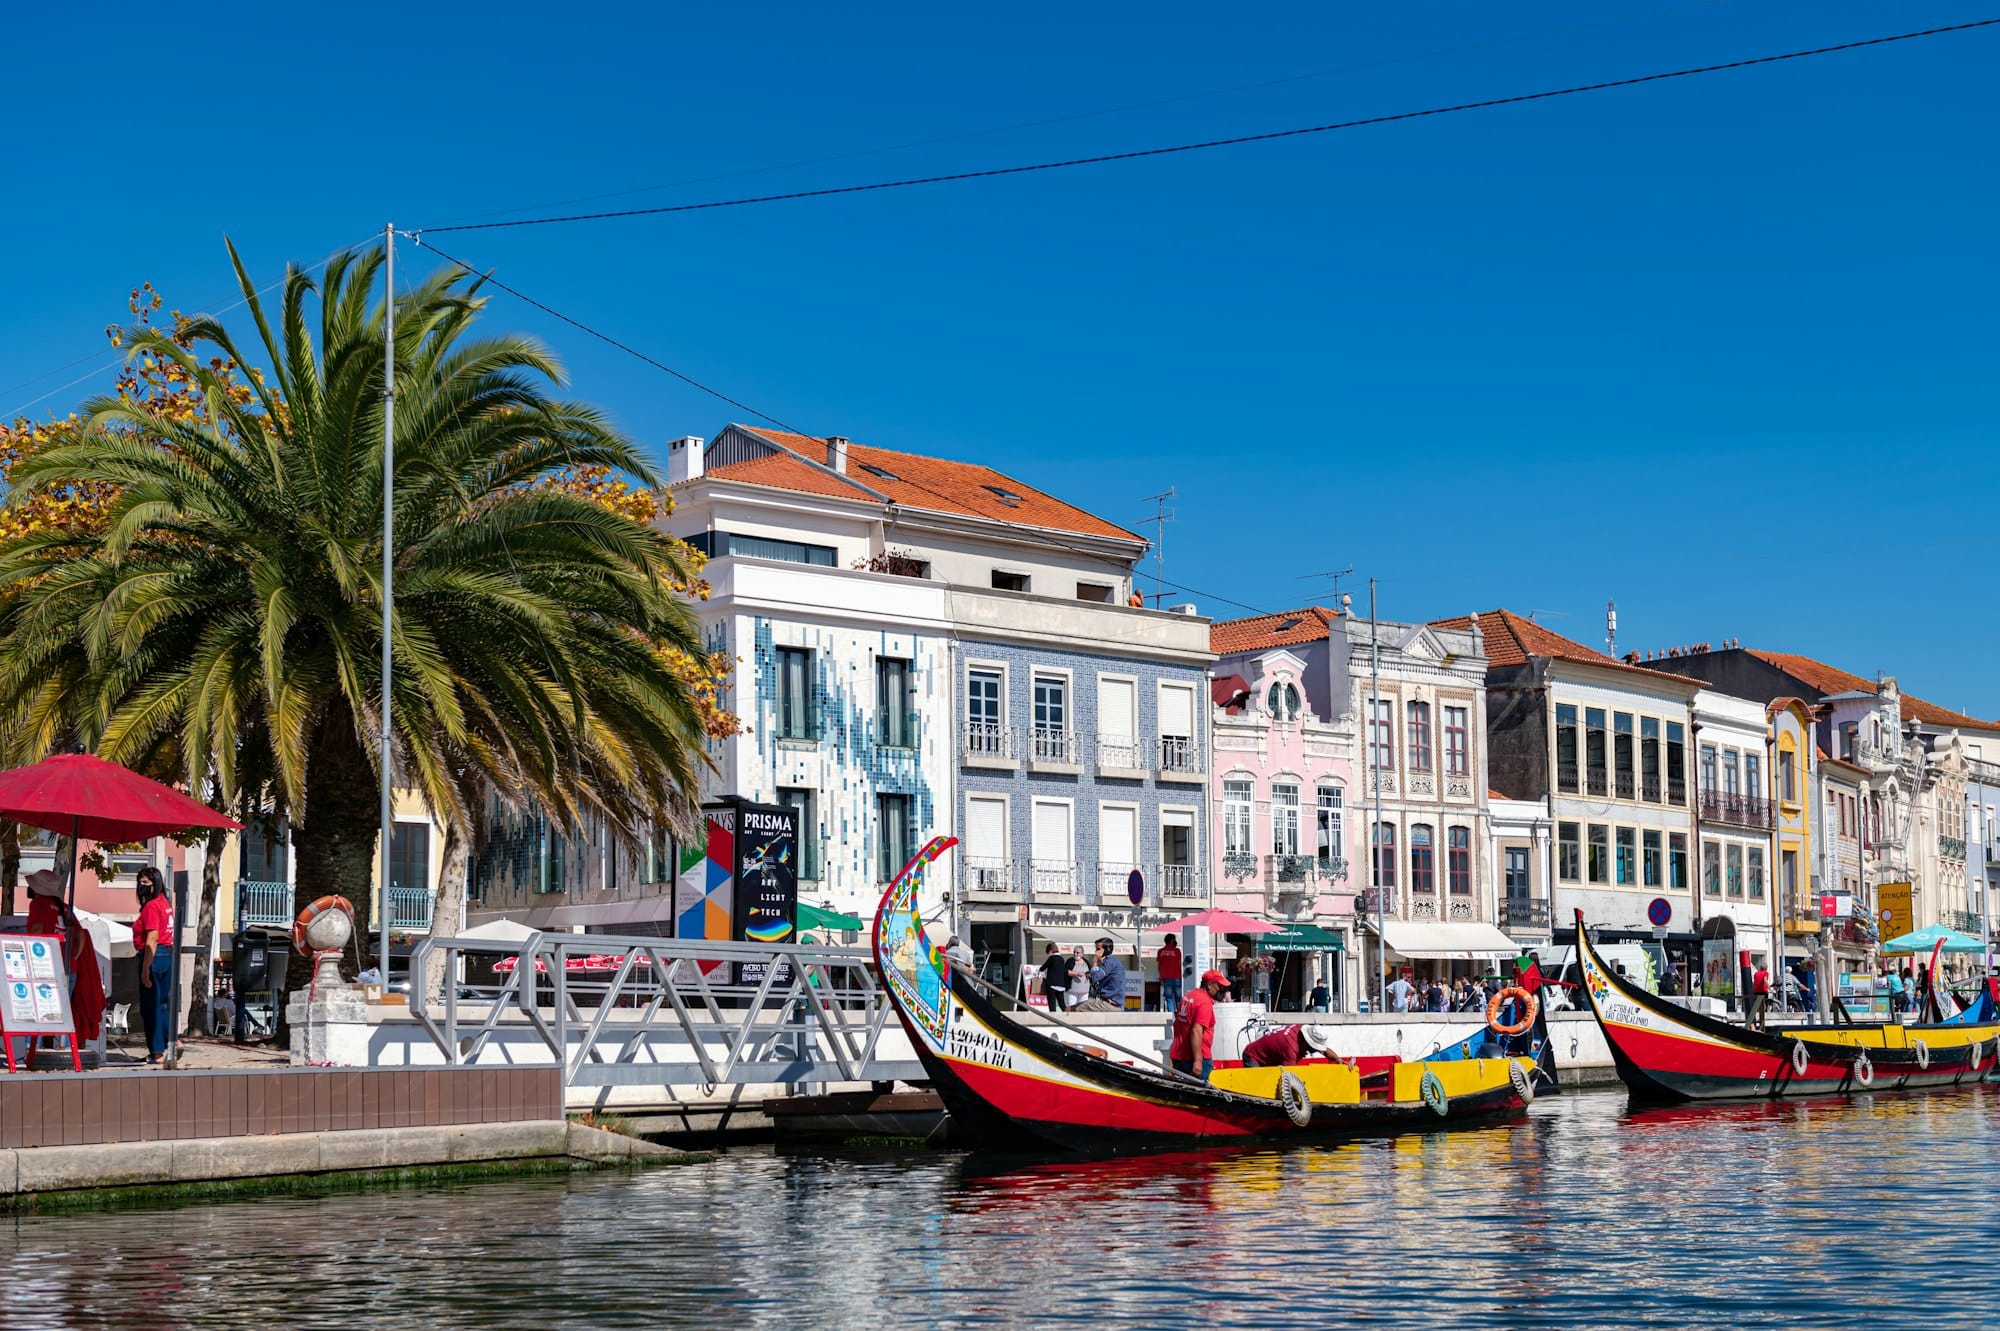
x,y
229,605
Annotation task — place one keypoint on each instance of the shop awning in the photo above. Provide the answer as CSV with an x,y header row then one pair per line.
x,y
1301,938
1421,940
817,917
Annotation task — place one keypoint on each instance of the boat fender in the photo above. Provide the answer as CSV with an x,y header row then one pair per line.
x,y
1527,1008
1864,1072
1800,1059
1524,1082
1433,1092
1293,1096
1923,1053
1975,1058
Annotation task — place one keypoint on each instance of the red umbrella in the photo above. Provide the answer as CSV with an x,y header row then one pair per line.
x,y
85,796
1227,922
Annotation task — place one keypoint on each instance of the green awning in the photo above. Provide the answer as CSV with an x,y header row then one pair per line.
x,y
813,917
1301,938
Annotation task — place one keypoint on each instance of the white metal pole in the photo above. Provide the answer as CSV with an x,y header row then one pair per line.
x,y
1375,847
387,761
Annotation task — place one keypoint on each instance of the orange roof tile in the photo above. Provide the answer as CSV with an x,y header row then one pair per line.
x,y
1511,640
1260,633
1832,679
916,482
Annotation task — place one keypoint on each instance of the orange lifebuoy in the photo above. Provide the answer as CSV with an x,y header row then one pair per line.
x,y
1494,1004
313,912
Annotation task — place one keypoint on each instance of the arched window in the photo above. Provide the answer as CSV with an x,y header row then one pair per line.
x,y
1423,859
1385,855
1458,860
1282,701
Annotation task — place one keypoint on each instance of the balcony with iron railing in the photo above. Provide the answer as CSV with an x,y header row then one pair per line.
x,y
410,907
1113,882
1291,873
1239,866
1963,921
1120,755
1524,913
991,879
1180,758
1054,878
264,903
1727,806
1952,848
1050,746
1182,885
987,744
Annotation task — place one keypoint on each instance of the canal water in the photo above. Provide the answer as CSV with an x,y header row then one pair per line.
x,y
1871,1212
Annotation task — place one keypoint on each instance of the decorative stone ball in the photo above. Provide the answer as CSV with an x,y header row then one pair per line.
x,y
330,930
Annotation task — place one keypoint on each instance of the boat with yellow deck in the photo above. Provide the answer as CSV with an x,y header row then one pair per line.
x,y
1007,1083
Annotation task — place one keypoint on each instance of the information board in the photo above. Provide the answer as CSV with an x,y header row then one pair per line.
x,y
35,1000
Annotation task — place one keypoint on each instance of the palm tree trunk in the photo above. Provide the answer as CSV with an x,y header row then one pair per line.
x,y
10,865
335,835
448,908
204,931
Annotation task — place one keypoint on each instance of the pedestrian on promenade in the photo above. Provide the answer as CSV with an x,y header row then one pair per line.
x,y
1193,1047
1079,978
1170,974
1107,980
1321,997
1760,996
153,940
958,954
1055,978
1400,990
1260,979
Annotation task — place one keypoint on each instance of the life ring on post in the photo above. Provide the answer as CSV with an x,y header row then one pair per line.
x,y
1293,1096
1528,1007
1800,1058
313,912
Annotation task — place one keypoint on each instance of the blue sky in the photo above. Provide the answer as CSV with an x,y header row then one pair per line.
x,y
1722,348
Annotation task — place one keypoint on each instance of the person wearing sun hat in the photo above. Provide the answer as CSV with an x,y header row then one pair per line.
x,y
1287,1046
1193,1047
48,913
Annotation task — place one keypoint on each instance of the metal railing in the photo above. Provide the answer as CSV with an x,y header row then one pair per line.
x,y
1120,751
410,907
266,903
1053,746
1179,753
989,877
1599,783
1111,882
1053,878
1181,884
1951,847
1962,921
1293,871
631,1011
1723,806
1523,913
987,739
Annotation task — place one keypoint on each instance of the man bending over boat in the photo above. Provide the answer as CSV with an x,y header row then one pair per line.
x,y
1286,1046
1193,1048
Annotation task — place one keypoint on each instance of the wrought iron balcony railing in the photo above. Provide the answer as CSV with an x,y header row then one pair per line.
x,y
1179,753
992,878
1182,884
1523,913
410,907
264,903
1291,871
1052,746
987,739
1722,806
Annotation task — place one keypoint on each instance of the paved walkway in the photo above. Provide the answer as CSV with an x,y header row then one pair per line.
x,y
200,1052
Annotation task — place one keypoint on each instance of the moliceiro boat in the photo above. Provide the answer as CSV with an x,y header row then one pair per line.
x,y
1008,1084
1665,1051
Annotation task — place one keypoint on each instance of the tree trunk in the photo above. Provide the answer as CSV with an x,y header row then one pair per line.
x,y
10,865
448,907
334,836
204,931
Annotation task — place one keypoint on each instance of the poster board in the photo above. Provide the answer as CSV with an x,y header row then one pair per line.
x,y
35,997
1895,914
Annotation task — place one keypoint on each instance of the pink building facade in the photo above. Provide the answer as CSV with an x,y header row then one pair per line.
x,y
1283,828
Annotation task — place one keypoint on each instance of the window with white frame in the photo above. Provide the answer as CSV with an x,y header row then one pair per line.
x,y
1118,721
1418,731
1236,807
1052,732
985,717
1178,750
1332,838
1382,735
1285,819
1457,741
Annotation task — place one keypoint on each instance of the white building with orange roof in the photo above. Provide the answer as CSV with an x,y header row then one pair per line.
x,y
1604,745
927,646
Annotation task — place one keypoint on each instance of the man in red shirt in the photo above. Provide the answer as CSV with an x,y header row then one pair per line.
x,y
1286,1046
1193,1048
1170,975
1760,996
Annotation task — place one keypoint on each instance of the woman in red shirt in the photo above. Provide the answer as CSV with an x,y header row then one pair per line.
x,y
153,940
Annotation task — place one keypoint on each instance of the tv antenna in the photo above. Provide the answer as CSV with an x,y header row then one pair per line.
x,y
1162,515
1334,577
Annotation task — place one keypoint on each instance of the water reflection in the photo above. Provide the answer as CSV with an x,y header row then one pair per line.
x,y
1586,1214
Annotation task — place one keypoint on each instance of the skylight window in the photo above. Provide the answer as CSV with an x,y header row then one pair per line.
x,y
883,472
1287,624
1007,497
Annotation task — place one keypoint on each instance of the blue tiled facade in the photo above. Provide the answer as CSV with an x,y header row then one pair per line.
x,y
1086,789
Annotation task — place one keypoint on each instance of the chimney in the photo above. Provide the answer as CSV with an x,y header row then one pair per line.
x,y
684,458
836,452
